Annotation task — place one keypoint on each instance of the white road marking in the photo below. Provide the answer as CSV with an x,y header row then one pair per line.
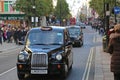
x,y
90,62
94,39
88,65
7,71
9,50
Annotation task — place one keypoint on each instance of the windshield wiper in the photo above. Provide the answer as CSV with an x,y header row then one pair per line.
x,y
38,44
54,44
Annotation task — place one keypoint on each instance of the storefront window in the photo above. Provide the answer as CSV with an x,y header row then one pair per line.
x,y
6,6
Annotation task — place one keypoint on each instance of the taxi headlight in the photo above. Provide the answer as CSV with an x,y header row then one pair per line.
x,y
59,57
21,57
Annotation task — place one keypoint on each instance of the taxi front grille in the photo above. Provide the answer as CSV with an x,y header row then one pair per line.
x,y
39,60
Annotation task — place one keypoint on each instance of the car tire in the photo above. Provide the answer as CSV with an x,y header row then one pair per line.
x,y
81,43
21,76
65,71
70,67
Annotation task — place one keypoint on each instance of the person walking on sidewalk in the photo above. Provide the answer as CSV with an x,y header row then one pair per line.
x,y
114,50
1,34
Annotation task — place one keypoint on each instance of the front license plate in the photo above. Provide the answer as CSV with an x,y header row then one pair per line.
x,y
39,71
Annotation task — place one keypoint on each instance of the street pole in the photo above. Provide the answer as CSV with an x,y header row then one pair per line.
x,y
115,14
104,15
107,23
60,12
34,12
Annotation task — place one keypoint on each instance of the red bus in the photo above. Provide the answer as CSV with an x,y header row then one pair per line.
x,y
72,21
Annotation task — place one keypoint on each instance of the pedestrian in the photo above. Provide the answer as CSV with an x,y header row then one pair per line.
x,y
111,30
4,35
9,35
1,35
15,36
101,31
114,50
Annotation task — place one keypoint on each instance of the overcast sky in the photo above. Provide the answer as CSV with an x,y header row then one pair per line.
x,y
74,5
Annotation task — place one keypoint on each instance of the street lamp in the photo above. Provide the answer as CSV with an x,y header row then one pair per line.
x,y
104,14
60,12
106,20
115,14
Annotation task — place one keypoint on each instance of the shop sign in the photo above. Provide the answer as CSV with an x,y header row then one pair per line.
x,y
11,16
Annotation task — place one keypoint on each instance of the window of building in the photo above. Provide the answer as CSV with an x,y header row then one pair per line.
x,y
7,6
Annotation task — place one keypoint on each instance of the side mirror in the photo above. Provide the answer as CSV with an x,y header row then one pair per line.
x,y
21,42
83,27
69,43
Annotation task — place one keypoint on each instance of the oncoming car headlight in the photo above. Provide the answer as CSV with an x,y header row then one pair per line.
x,y
23,56
59,57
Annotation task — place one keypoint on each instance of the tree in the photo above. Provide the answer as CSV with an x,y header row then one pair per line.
x,y
42,7
98,5
62,10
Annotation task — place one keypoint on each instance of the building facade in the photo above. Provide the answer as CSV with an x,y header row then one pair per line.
x,y
8,15
6,5
1,6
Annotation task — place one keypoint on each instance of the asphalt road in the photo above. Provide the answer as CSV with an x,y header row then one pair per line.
x,y
81,70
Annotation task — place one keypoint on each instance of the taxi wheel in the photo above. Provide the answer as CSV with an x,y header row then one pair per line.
x,y
65,71
70,67
81,43
21,76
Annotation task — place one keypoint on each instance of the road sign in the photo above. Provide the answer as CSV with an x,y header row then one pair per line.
x,y
116,10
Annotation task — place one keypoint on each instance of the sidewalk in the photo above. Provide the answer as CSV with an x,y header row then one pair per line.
x,y
7,46
102,63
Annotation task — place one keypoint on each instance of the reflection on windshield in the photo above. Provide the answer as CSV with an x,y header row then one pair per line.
x,y
74,32
45,38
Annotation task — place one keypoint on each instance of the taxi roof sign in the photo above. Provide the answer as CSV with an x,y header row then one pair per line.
x,y
46,28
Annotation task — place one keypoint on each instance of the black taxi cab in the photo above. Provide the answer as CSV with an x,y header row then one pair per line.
x,y
76,35
47,50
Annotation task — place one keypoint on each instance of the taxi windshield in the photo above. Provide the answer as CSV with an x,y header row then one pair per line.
x,y
45,38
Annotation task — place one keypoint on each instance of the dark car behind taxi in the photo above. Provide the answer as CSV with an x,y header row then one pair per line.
x,y
76,35
47,50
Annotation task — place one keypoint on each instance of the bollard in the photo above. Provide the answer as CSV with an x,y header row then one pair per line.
x,y
104,43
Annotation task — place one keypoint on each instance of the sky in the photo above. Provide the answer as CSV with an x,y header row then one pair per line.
x,y
75,5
